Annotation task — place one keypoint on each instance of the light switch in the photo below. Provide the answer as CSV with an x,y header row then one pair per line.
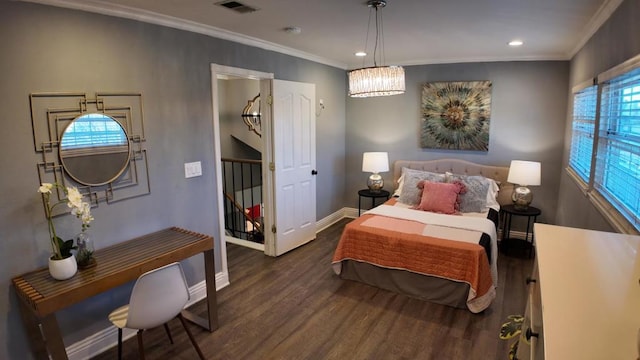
x,y
192,169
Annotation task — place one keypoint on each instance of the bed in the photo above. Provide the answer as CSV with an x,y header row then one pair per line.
x,y
429,253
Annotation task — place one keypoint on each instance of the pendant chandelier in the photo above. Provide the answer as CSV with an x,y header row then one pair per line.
x,y
376,80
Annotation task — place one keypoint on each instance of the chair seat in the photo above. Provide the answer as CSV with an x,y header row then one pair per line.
x,y
119,316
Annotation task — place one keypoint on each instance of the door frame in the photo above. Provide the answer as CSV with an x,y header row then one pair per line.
x,y
265,78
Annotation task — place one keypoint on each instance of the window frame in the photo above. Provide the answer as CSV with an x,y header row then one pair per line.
x,y
602,199
584,184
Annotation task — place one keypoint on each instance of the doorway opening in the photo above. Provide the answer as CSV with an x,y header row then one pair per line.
x,y
241,145
239,152
285,158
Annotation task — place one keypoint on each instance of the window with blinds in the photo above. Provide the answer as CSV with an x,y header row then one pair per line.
x,y
583,130
617,175
93,130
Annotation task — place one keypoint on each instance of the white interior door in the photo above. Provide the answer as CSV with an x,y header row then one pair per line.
x,y
294,165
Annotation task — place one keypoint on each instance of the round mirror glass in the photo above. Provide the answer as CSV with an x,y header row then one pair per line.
x,y
94,149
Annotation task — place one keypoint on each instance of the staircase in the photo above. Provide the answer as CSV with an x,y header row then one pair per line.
x,y
241,164
243,209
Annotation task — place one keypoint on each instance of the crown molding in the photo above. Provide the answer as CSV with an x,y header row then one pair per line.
x,y
150,17
603,14
552,57
121,11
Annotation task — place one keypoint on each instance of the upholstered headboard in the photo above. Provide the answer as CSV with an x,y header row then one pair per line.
x,y
461,167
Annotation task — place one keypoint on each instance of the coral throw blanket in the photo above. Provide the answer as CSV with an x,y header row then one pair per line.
x,y
395,243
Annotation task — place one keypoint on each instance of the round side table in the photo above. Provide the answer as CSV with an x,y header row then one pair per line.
x,y
510,245
373,195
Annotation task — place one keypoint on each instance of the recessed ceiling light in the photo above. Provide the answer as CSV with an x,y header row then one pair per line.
x,y
515,43
361,53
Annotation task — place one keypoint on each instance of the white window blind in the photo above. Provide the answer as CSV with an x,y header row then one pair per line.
x,y
583,130
617,175
93,130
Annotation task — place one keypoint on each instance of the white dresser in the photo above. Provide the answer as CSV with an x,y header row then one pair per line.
x,y
584,300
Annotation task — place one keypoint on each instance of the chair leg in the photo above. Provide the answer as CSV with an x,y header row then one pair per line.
x,y
140,344
193,340
166,328
119,344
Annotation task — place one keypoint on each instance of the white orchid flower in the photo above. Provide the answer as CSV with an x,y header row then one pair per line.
x,y
45,188
74,197
79,208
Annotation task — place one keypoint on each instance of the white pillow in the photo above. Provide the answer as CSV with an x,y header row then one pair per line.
x,y
410,193
481,192
492,195
399,189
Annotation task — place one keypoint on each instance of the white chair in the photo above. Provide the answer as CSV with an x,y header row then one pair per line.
x,y
158,296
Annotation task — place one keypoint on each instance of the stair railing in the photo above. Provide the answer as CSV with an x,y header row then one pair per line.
x,y
242,188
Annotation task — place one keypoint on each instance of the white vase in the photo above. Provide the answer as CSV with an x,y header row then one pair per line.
x,y
63,269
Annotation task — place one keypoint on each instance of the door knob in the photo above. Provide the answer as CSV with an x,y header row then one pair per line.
x,y
314,172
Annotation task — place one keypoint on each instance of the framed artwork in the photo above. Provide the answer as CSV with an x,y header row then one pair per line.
x,y
456,115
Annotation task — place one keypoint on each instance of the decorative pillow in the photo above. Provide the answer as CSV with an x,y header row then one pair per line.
x,y
475,199
410,193
463,190
492,195
399,189
439,197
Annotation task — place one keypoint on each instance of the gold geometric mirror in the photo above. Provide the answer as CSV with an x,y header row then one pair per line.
x,y
94,143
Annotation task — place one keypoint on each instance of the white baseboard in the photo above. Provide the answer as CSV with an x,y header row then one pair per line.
x,y
350,213
331,219
515,235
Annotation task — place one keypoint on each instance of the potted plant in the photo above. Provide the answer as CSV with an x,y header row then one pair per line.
x,y
62,262
511,329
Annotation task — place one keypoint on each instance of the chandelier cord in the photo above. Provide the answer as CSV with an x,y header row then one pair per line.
x,y
376,80
378,36
366,40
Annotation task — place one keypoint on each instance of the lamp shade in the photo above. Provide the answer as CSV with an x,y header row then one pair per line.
x,y
526,173
375,162
376,81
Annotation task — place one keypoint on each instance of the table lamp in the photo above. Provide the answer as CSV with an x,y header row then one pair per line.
x,y
375,163
523,174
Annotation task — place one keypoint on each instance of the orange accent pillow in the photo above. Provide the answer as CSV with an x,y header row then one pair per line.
x,y
440,197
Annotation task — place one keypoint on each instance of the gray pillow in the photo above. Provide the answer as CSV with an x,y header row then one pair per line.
x,y
475,199
410,194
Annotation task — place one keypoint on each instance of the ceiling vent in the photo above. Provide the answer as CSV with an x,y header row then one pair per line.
x,y
237,6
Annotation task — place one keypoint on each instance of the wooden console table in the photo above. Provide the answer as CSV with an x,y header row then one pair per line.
x,y
41,295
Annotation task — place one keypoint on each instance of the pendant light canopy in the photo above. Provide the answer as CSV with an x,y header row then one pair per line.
x,y
377,80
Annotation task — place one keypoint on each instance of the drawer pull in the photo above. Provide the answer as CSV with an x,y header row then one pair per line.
x,y
530,280
529,334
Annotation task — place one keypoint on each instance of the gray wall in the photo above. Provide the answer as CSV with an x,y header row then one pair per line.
x,y
528,108
615,42
51,49
48,49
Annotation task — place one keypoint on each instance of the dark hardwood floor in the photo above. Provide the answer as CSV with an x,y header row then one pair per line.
x,y
295,307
